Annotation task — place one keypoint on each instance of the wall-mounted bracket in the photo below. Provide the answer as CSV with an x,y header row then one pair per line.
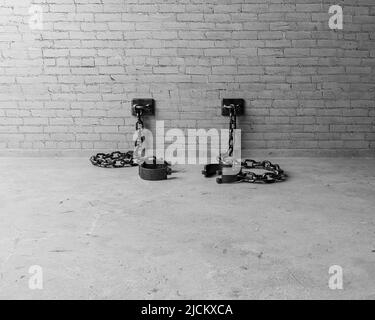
x,y
238,103
147,105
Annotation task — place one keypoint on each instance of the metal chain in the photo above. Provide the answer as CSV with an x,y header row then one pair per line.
x,y
119,159
273,171
227,157
232,127
139,149
115,159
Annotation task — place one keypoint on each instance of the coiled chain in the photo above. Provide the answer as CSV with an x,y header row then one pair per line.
x,y
119,159
274,172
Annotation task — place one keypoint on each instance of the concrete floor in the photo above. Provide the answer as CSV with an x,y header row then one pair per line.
x,y
104,233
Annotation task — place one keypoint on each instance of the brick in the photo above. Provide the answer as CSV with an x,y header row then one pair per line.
x,y
217,52
294,52
191,17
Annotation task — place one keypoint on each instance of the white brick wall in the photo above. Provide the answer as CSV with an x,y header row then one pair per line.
x,y
308,89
